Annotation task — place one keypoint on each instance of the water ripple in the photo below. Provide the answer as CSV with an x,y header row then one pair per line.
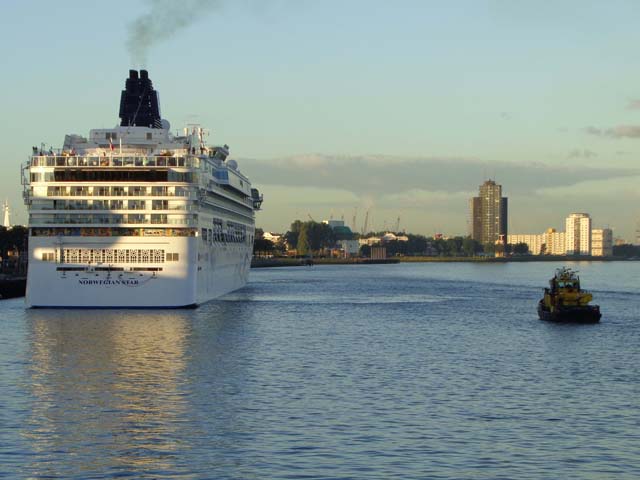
x,y
402,371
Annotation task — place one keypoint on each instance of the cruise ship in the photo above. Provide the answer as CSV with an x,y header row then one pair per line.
x,y
137,216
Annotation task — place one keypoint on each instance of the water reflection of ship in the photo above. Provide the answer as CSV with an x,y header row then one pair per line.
x,y
112,383
135,393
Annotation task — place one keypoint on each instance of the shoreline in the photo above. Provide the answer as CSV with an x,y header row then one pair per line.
x,y
522,259
302,262
12,286
299,262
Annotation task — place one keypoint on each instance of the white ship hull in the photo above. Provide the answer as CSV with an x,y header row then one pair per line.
x,y
162,221
207,272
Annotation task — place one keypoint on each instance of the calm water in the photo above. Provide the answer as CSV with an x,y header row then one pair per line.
x,y
399,371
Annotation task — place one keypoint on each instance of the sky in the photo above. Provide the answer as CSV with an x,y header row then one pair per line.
x,y
334,108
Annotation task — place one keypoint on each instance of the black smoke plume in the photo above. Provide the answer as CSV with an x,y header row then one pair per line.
x,y
163,19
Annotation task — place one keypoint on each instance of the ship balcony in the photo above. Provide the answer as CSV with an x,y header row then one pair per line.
x,y
132,220
185,193
114,161
106,206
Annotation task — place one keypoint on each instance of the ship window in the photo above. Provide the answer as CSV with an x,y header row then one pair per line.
x,y
111,135
172,257
149,135
109,176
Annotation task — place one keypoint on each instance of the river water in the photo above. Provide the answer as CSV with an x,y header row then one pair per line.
x,y
405,371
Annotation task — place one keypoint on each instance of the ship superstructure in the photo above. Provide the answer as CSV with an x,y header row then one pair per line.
x,y
135,216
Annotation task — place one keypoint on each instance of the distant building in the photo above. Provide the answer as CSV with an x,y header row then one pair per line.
x,y
6,221
533,241
391,237
602,242
578,234
334,223
599,241
547,243
340,230
272,237
489,214
378,253
349,247
369,241
554,242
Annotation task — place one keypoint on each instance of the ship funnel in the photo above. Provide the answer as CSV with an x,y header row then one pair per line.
x,y
139,106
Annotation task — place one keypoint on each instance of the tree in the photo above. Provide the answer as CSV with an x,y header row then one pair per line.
x,y
291,237
13,238
439,246
453,246
471,247
626,250
520,248
417,244
262,246
303,242
394,247
489,247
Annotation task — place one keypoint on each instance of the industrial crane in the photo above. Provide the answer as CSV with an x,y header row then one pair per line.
x,y
366,222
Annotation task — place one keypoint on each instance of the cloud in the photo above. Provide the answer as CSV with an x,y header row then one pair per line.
x,y
593,131
306,197
581,153
417,198
379,175
620,131
633,104
432,194
611,187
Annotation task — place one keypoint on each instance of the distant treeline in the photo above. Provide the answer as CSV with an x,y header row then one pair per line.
x,y
313,238
626,250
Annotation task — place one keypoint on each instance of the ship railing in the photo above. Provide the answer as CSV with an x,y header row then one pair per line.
x,y
62,192
24,181
115,222
111,161
107,209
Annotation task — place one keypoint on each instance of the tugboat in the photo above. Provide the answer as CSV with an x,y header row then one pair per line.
x,y
564,301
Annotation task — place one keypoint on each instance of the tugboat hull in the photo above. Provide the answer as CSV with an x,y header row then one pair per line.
x,y
576,314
